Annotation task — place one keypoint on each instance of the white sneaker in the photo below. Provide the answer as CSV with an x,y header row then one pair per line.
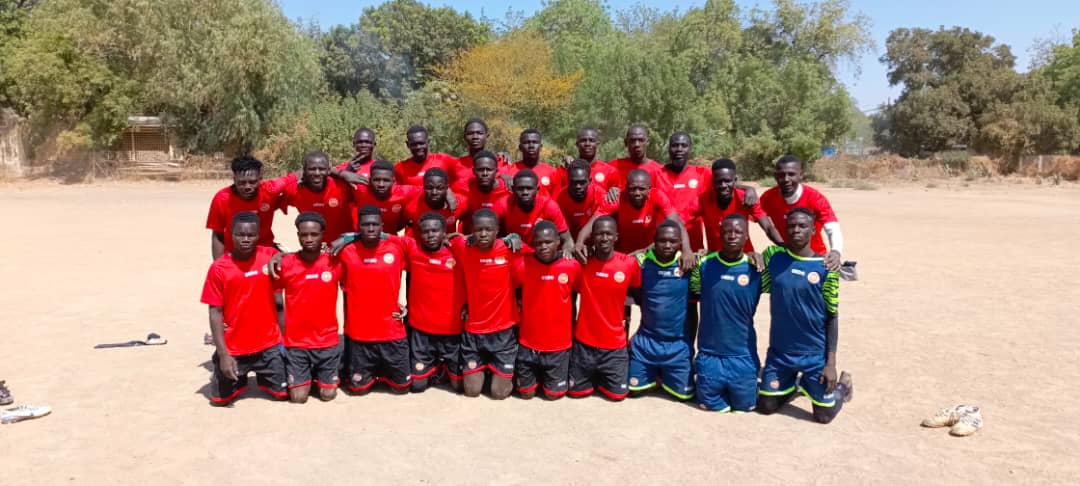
x,y
970,422
948,416
23,412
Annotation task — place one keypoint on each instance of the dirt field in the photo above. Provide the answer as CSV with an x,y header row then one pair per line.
x,y
967,295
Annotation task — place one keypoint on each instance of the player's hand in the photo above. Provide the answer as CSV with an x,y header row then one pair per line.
x,y
229,368
687,262
612,195
828,377
275,265
750,197
507,181
832,261
337,245
581,252
566,161
512,241
451,201
400,316
470,240
756,260
464,313
568,252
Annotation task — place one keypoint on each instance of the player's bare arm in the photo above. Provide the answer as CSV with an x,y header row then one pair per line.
x,y
217,329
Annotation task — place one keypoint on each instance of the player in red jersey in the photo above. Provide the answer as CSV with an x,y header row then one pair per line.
x,y
724,197
582,198
791,193
476,136
530,144
377,347
364,145
519,211
603,174
310,280
248,192
243,319
381,191
637,146
490,338
599,353
410,172
546,281
683,183
435,199
317,191
483,190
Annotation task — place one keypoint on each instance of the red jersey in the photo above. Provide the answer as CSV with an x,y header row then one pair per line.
x,y
410,173
227,203
478,199
393,207
546,303
577,214
243,290
334,203
363,169
602,174
418,206
603,287
712,215
624,166
513,219
488,286
773,203
549,177
683,188
465,167
436,289
311,293
637,226
372,278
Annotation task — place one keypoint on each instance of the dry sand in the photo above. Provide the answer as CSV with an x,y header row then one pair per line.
x,y
967,295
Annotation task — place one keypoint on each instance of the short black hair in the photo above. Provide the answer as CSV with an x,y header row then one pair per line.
x,y
316,154
681,133
719,164
309,217
582,130
800,210
637,126
579,164
436,172
484,154
734,216
606,219
416,129
363,130
245,163
484,213
523,173
667,223
431,216
639,173
381,165
368,210
245,217
477,121
787,159
529,131
545,225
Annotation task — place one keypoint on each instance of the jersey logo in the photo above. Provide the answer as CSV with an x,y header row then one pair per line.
x,y
813,277
450,262
599,177
421,173
326,276
677,272
396,208
620,277
545,180
333,202
744,280
499,260
265,207
388,258
693,183
648,219
563,278
265,270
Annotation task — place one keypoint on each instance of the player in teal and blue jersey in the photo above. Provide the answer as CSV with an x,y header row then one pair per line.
x,y
802,338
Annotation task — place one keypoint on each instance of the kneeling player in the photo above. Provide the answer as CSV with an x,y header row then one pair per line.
x,y
729,288
377,348
661,349
243,317
310,279
802,337
546,280
599,354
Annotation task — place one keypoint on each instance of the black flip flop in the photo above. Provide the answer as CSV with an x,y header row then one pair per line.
x,y
152,339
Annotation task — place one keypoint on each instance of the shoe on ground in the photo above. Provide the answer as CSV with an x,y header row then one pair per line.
x,y
24,412
970,422
5,394
949,416
849,385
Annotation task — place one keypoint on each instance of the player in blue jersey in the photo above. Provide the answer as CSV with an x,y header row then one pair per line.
x,y
729,288
662,347
802,337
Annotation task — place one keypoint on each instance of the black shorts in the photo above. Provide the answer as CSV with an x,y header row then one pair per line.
x,y
432,351
494,351
607,367
269,368
385,361
534,366
322,363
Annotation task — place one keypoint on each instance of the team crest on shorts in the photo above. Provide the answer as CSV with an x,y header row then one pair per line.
x,y
472,364
743,280
813,277
545,180
396,208
388,258
633,381
499,260
326,276
599,177
333,202
620,277
265,207
450,262
775,384
693,183
419,366
563,278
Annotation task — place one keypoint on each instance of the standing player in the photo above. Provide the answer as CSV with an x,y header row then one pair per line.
x,y
381,191
310,279
662,347
410,172
791,193
482,191
490,338
602,173
243,319
364,145
524,207
803,334
724,198
436,199
637,146
729,288
548,176
582,198
546,281
683,183
248,192
317,191
476,136
377,348
599,352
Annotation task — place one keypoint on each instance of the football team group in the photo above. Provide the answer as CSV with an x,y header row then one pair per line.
x,y
521,277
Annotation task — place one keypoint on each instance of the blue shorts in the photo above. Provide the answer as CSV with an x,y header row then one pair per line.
x,y
726,383
668,360
781,370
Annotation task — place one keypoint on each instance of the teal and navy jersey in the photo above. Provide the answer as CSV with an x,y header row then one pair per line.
x,y
729,295
665,291
803,294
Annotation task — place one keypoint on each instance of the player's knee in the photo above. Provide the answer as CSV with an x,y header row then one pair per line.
x,y
455,385
824,415
474,384
767,405
553,395
501,387
419,385
528,395
327,394
400,390
299,394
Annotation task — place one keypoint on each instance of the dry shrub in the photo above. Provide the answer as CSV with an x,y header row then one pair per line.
x,y
1064,166
892,167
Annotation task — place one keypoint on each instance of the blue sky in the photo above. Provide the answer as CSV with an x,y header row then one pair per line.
x,y
1018,24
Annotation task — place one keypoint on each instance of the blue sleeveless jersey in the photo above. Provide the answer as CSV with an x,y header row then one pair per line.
x,y
729,294
665,291
803,293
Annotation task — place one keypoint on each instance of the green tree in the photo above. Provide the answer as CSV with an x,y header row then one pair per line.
x,y
572,28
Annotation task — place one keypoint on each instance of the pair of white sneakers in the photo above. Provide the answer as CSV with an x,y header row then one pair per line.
x,y
963,420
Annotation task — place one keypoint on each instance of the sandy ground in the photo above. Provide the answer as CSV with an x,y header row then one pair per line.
x,y
967,295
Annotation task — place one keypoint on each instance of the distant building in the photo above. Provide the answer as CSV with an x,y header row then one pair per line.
x,y
146,139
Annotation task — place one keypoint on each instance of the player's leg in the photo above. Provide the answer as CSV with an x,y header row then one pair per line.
x,y
677,370
691,323
643,369
611,368
424,359
502,346
223,390
826,405
555,366
327,361
472,367
582,368
394,365
740,374
525,371
269,368
710,384
363,362
298,365
449,349
777,382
